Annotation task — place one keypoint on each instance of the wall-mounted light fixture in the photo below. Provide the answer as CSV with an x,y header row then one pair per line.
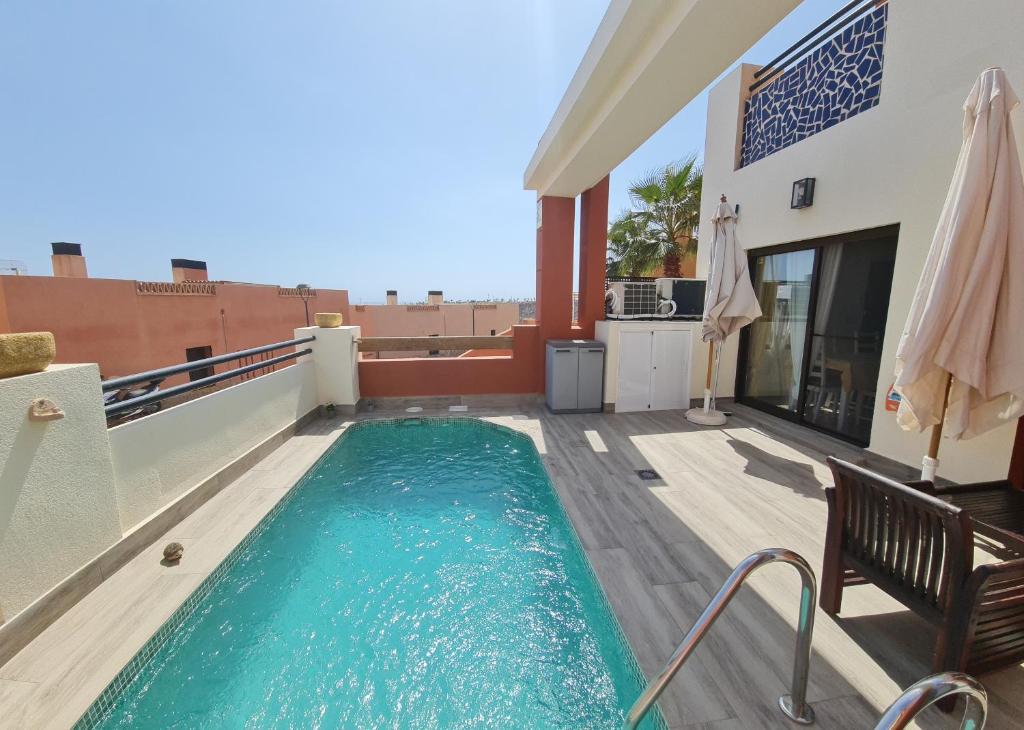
x,y
803,193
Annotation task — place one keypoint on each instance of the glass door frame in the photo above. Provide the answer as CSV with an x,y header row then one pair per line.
x,y
742,360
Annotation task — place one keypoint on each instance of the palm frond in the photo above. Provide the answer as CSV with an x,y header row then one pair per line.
x,y
666,212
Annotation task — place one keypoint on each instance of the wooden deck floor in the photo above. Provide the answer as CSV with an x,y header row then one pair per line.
x,y
660,548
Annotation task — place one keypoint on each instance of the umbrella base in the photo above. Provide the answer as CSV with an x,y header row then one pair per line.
x,y
705,418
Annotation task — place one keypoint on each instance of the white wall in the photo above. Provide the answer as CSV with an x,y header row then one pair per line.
x,y
891,164
335,356
57,506
158,458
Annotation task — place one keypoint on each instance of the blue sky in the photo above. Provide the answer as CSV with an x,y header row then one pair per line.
x,y
356,145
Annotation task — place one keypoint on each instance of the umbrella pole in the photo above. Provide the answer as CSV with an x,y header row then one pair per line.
x,y
930,463
707,383
708,416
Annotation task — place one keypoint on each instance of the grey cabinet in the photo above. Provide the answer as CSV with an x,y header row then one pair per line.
x,y
574,376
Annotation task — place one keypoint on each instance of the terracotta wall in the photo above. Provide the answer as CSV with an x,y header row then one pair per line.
x,y
107,321
401,320
593,255
523,371
459,376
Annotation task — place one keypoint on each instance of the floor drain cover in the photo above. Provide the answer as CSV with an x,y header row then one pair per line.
x,y
648,474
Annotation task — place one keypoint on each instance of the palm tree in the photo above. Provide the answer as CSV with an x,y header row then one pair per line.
x,y
660,230
630,247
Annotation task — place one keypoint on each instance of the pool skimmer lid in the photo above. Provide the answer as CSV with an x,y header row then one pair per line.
x,y
648,475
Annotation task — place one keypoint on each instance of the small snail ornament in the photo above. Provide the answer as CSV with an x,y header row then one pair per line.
x,y
173,552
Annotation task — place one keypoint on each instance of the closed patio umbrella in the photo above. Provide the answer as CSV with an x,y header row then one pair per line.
x,y
961,357
729,304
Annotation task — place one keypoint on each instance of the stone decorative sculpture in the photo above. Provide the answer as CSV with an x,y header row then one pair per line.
x,y
173,552
328,319
22,353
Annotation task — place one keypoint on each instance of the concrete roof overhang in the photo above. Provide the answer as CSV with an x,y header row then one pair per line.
x,y
647,60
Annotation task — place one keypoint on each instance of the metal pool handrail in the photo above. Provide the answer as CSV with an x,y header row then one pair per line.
x,y
932,689
794,705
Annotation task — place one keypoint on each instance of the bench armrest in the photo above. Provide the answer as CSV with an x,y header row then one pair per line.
x,y
921,485
977,488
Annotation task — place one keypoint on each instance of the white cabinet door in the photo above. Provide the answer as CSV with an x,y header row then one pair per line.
x,y
670,387
634,371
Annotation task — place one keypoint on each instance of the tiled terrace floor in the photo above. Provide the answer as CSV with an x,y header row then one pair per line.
x,y
660,548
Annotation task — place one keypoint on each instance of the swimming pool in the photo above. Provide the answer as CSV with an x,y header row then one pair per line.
x,y
422,575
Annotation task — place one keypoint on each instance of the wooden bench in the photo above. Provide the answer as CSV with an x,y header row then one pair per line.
x,y
917,544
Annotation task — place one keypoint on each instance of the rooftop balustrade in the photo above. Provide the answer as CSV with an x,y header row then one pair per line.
x,y
831,74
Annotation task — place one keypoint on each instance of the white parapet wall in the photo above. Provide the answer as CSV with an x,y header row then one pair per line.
x,y
57,504
160,457
74,495
335,355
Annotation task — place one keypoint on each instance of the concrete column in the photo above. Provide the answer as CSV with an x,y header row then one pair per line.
x,y
555,219
593,253
335,356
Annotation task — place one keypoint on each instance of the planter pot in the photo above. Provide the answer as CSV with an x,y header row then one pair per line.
x,y
25,352
327,319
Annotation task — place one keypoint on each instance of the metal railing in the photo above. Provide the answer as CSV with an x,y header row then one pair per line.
x,y
929,691
842,18
150,376
794,705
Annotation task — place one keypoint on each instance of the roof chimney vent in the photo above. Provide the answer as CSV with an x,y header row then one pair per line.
x,y
68,260
435,296
392,296
188,270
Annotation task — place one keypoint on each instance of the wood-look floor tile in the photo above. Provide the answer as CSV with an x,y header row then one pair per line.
x,y
15,697
693,695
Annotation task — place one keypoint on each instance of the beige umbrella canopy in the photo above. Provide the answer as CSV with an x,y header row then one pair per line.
x,y
965,331
729,303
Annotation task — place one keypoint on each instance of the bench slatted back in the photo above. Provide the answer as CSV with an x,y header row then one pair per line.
x,y
912,545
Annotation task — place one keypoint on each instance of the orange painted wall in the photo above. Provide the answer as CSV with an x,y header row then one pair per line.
x,y
107,322
401,320
4,326
459,375
593,254
523,372
554,267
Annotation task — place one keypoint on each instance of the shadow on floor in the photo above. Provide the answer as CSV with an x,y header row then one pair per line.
x,y
761,464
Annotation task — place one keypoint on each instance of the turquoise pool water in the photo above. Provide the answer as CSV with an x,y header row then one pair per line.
x,y
422,575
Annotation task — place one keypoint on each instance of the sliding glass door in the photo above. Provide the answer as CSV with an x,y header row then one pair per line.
x,y
814,355
776,342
